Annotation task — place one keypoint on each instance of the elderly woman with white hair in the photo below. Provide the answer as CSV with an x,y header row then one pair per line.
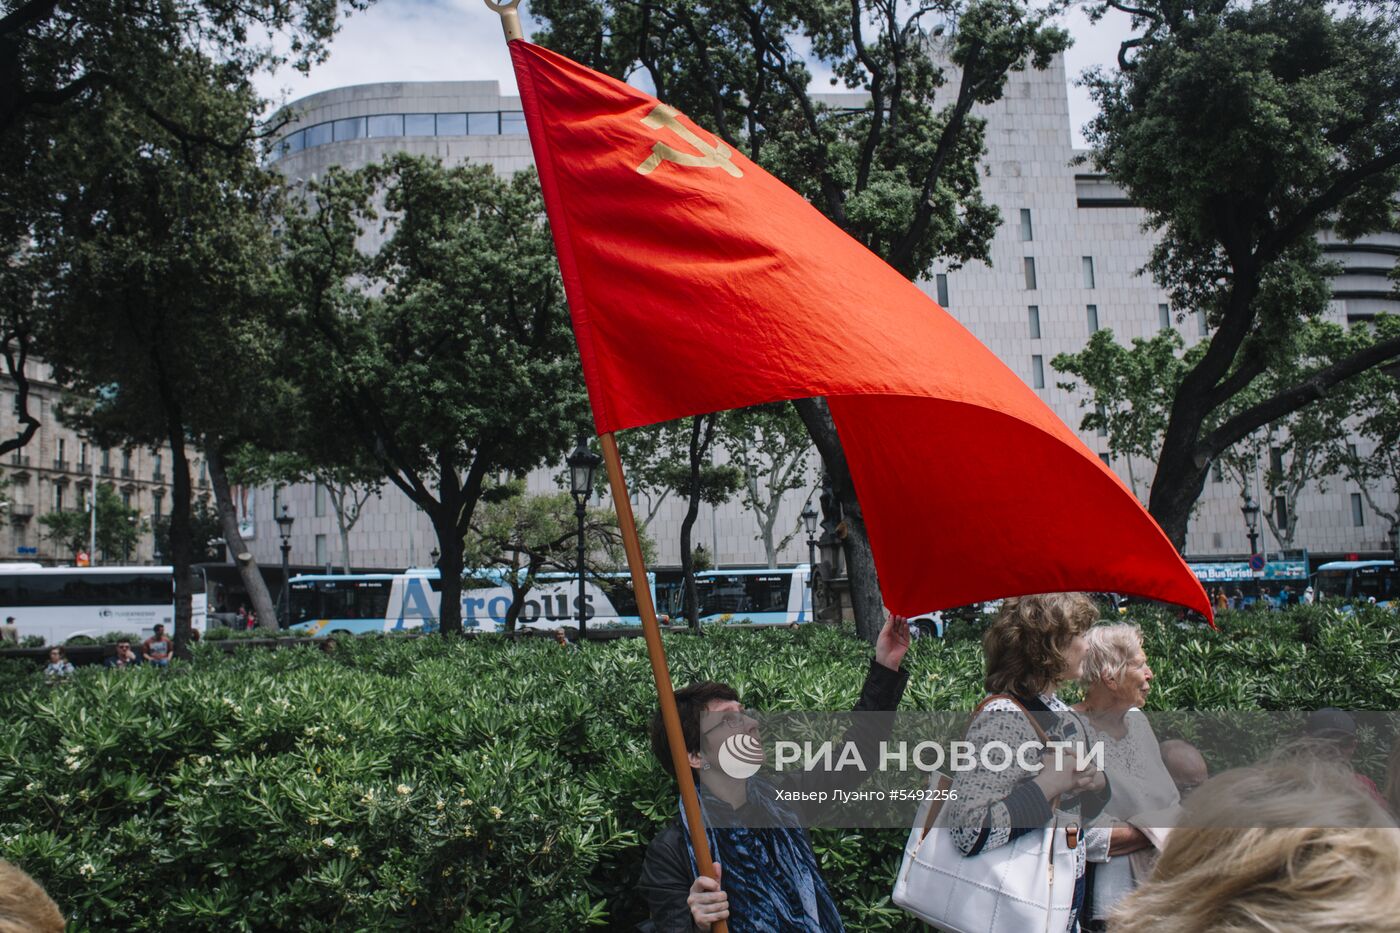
x,y
1116,680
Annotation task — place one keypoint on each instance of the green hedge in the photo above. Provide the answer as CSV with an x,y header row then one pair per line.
x,y
484,784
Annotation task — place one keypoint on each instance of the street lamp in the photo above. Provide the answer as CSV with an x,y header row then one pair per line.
x,y
809,520
284,530
582,465
1251,520
131,519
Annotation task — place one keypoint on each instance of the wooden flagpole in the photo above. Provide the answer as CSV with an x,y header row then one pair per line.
x,y
675,737
659,671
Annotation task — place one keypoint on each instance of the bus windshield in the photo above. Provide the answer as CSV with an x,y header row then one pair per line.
x,y
339,599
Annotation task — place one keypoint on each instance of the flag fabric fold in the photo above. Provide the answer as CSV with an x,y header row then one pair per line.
x,y
698,283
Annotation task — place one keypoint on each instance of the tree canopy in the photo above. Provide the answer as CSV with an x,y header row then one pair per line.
x,y
1245,131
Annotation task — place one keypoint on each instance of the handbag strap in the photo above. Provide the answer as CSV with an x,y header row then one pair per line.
x,y
945,782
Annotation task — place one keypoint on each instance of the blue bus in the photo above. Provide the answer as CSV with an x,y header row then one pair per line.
x,y
354,604
1359,581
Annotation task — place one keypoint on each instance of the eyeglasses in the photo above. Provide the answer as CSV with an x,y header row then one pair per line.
x,y
732,720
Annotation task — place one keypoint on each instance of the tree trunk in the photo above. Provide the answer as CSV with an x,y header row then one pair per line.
x,y
181,542
864,581
248,571
1179,480
444,518
517,602
692,512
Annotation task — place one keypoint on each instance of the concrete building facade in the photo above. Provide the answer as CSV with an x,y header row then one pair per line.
x,y
1065,261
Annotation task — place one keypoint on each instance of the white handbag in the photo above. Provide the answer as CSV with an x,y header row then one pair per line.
x,y
1025,886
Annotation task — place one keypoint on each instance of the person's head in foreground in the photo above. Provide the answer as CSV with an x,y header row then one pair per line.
x,y
1185,764
1292,844
1115,674
1037,643
57,655
24,907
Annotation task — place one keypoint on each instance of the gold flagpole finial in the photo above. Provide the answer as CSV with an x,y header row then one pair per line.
x,y
510,18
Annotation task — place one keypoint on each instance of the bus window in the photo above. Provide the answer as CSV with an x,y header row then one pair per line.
x,y
725,594
1332,584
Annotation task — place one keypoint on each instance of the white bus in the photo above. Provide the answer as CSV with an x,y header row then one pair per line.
x,y
355,604
63,603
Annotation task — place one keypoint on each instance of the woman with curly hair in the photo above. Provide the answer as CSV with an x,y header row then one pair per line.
x,y
1035,645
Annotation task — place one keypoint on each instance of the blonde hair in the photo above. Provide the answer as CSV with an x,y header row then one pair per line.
x,y
24,907
1025,646
1109,651
1244,862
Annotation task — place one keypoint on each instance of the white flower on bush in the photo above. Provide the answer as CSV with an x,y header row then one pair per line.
x,y
32,786
404,790
353,852
87,869
62,799
496,813
328,842
367,797
73,762
203,761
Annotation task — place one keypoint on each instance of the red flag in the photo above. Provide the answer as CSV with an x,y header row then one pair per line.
x,y
697,282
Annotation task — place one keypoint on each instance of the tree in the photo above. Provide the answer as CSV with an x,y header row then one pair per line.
x,y
1243,131
206,528
118,527
445,355
1130,390
899,174
163,260
63,65
770,446
701,481
1377,421
526,534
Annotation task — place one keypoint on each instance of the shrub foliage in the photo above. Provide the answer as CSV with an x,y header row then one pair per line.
x,y
477,784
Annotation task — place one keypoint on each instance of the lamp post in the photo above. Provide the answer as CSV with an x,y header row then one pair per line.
x,y
131,520
582,465
1251,520
284,531
809,520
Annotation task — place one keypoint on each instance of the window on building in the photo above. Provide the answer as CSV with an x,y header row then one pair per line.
x,y
419,124
322,551
1092,312
1281,511
1103,421
483,124
1030,273
1027,234
1217,540
1038,371
1202,325
513,122
386,124
106,458
62,450
319,135
941,283
452,124
1088,262
158,470
1217,472
58,497
126,500
1164,317
156,503
83,455
1107,460
14,404
126,461
320,496
1276,460
353,128
1034,314
1351,451
1358,513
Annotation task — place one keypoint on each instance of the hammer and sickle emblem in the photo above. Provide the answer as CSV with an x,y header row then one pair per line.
x,y
710,156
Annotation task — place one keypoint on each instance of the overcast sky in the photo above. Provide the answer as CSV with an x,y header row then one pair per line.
x,y
460,40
